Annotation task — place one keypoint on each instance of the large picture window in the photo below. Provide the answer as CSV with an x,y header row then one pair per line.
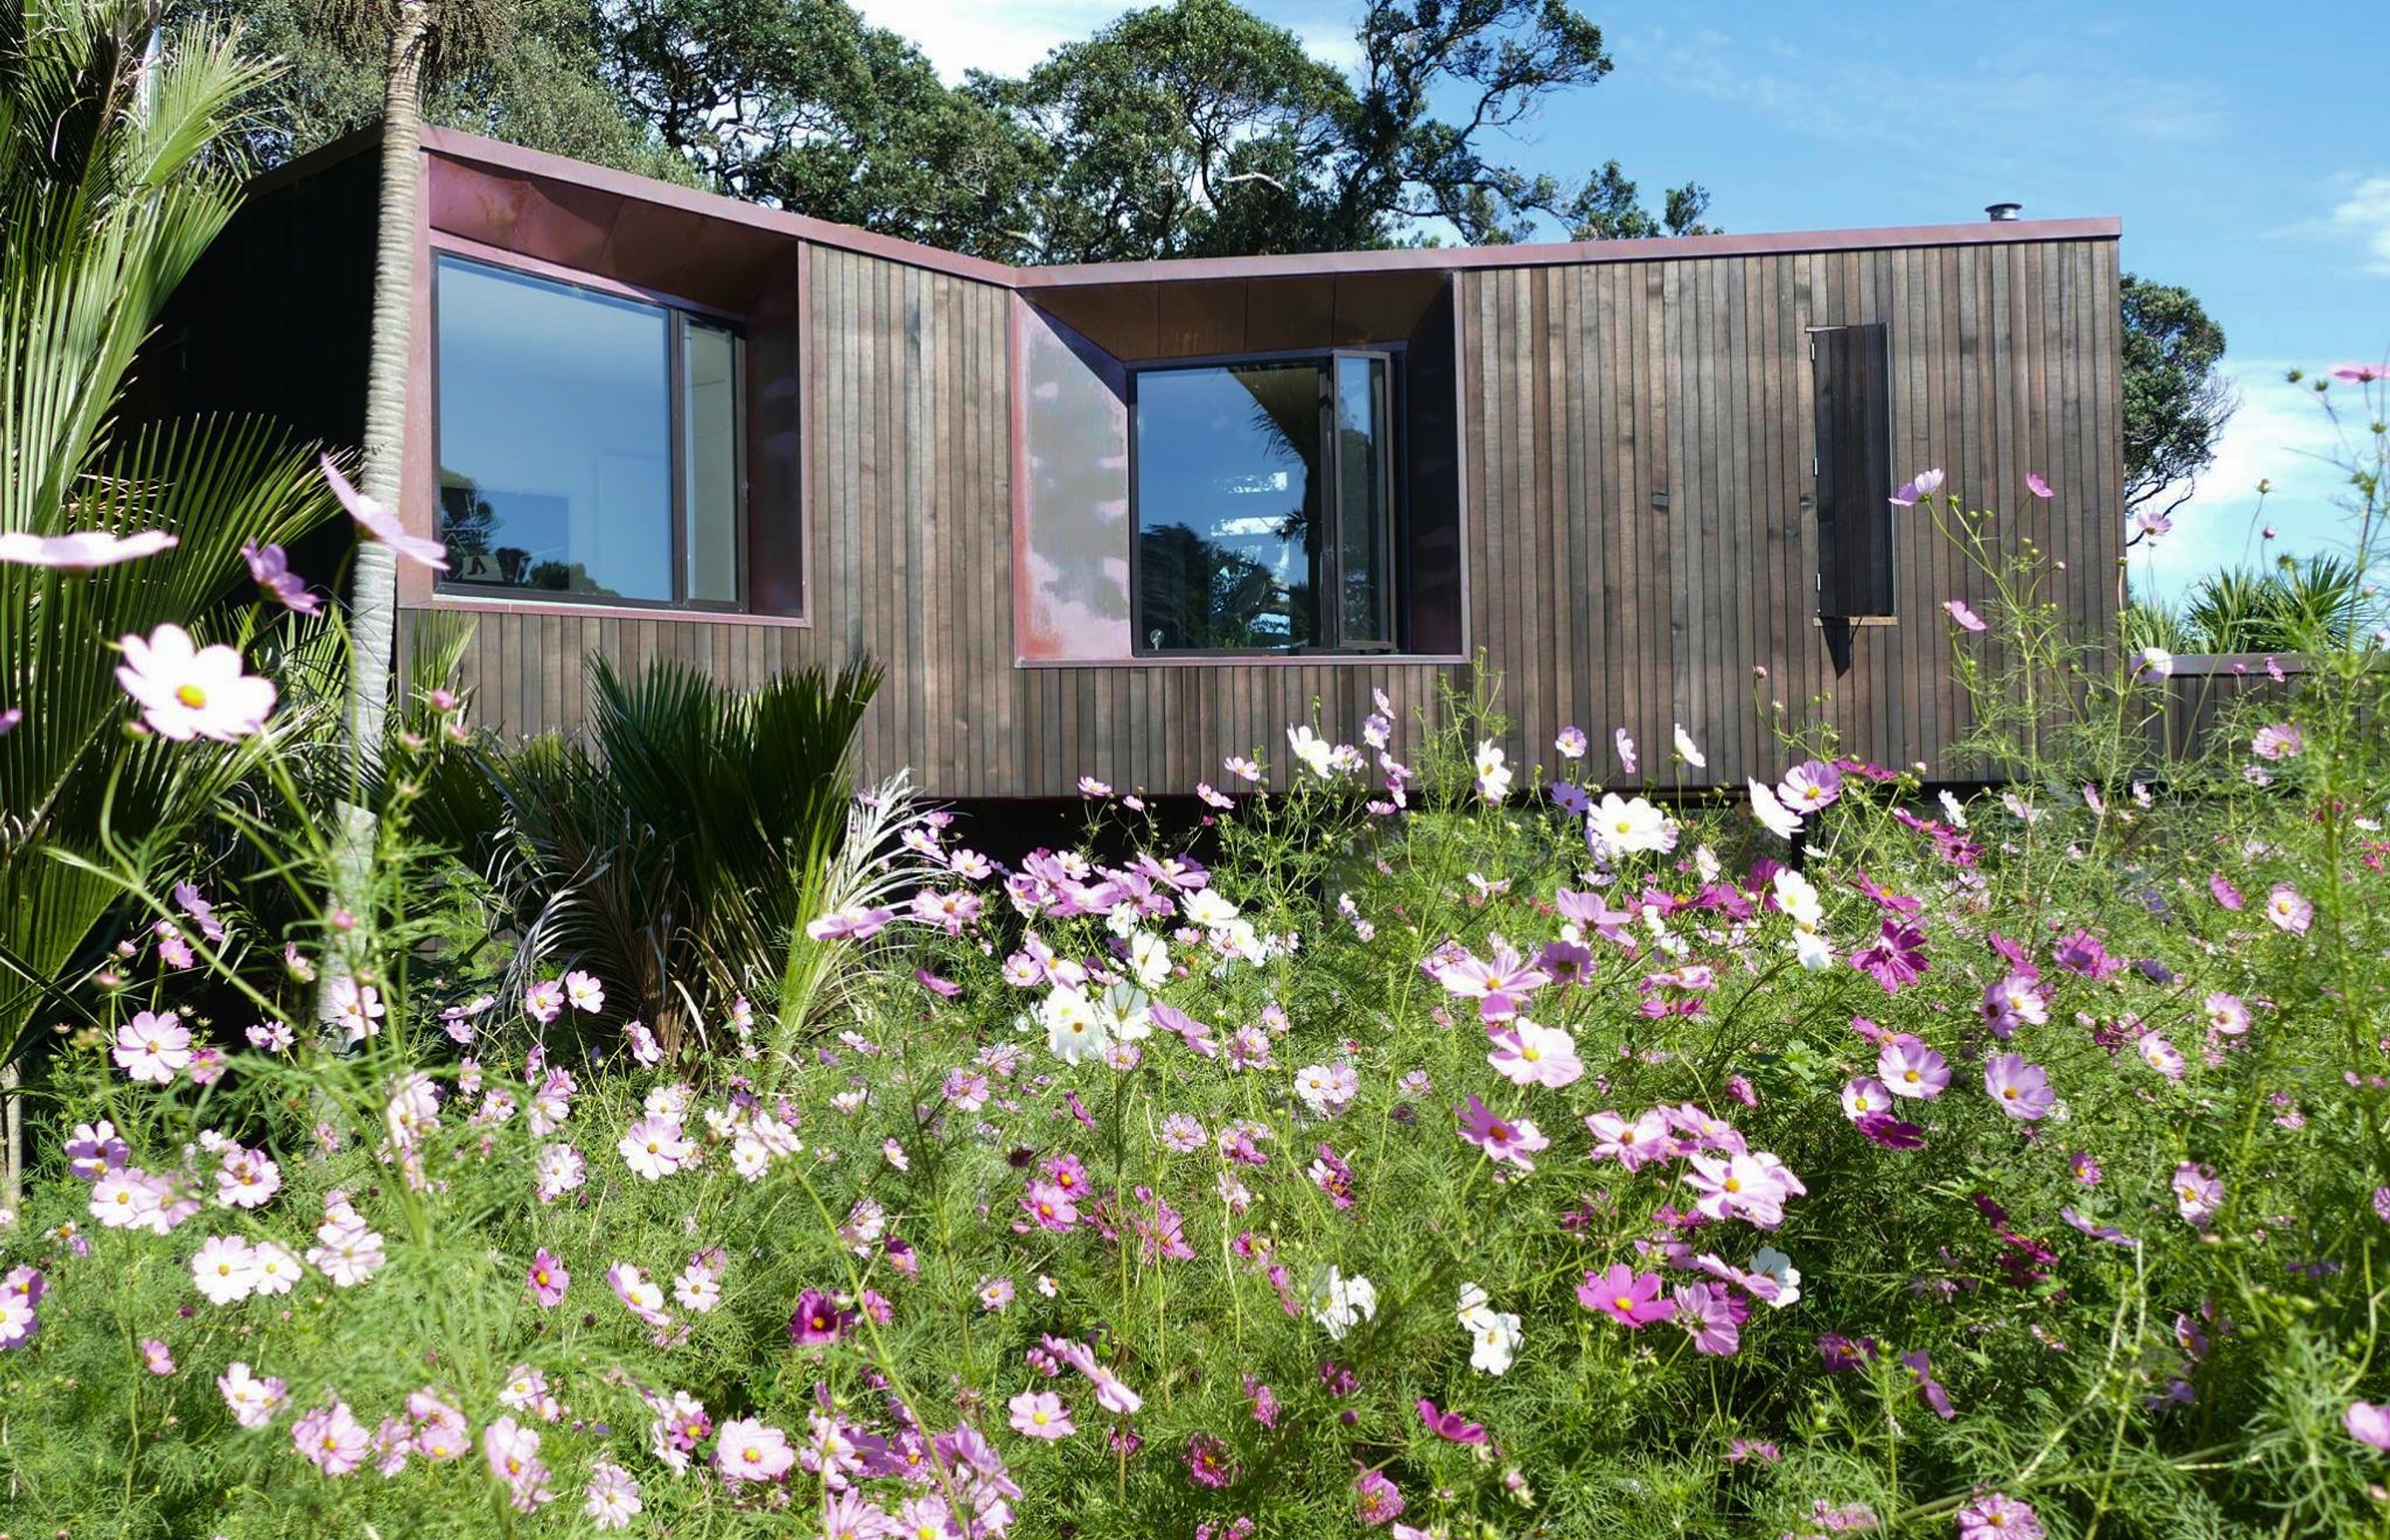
x,y
589,443
1263,498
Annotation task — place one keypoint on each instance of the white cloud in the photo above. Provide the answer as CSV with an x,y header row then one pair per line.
x,y
2364,215
2283,436
1005,38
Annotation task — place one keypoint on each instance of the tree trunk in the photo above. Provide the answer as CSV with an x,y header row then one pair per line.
x,y
373,600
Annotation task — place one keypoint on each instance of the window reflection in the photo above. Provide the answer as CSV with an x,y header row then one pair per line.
x,y
555,436
1250,538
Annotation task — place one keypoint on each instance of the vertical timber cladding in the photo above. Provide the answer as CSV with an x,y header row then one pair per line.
x,y
1645,528
908,468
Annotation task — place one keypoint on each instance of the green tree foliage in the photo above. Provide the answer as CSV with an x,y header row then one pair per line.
x,y
2176,401
527,71
1197,129
1193,128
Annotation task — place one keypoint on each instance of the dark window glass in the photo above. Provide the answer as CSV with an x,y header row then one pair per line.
x,y
1850,372
1250,535
588,444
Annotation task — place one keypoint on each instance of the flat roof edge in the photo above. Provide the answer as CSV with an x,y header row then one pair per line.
x,y
457,146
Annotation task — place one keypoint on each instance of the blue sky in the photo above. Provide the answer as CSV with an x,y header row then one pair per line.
x,y
2242,145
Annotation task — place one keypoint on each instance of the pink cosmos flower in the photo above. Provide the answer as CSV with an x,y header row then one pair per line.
x,y
2280,741
2035,483
638,1293
2226,894
512,1452
270,566
2022,1089
1041,1415
2369,1424
332,1439
748,1450
153,1048
156,1356
1751,1187
1866,1097
1376,1499
2360,374
2198,1193
1706,1311
585,992
1967,619
251,1400
1626,747
1926,485
1514,1141
655,1148
186,691
1630,1298
1571,743
1630,1144
548,1280
613,1496
1809,786
82,551
1050,1205
1996,1516
2160,1055
1911,1068
1525,1054
543,1001
382,524
2288,910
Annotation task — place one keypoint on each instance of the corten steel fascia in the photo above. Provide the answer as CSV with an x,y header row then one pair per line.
x,y
469,149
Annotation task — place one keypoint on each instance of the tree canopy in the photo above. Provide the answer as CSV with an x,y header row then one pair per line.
x,y
2177,399
1193,128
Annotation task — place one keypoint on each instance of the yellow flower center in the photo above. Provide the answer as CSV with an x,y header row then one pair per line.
x,y
1733,1184
1624,1302
193,696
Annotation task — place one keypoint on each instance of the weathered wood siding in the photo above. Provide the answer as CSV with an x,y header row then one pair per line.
x,y
1637,469
1638,450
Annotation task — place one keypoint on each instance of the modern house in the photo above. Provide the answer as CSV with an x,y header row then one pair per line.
x,y
1125,520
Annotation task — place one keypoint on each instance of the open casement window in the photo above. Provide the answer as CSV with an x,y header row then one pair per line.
x,y
1850,366
1264,496
589,445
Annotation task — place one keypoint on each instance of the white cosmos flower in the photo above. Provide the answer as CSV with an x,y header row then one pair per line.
x,y
1074,1029
1148,957
1773,816
1777,1265
1313,750
1208,909
1953,811
1687,750
1493,1334
1797,896
1619,828
1340,1303
1493,771
1810,950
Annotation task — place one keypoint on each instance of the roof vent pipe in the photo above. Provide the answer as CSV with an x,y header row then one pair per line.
x,y
2002,214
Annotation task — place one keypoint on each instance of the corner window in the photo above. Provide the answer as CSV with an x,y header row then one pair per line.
x,y
1850,370
589,443
1264,500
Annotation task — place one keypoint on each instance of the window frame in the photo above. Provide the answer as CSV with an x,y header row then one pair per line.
x,y
679,316
1393,472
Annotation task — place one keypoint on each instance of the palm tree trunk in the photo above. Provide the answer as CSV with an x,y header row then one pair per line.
x,y
373,602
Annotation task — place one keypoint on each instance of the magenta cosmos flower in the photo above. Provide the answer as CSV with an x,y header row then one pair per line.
x,y
1630,1298
186,691
270,566
1911,1068
817,1320
1514,1141
1896,958
1450,1425
2022,1089
1376,1499
2035,483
